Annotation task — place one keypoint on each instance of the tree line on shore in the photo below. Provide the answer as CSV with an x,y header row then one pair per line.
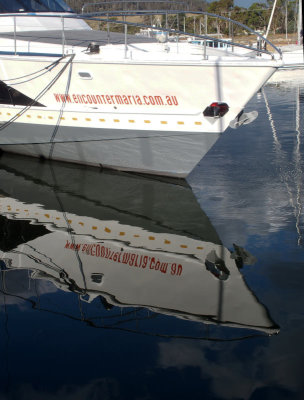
x,y
256,16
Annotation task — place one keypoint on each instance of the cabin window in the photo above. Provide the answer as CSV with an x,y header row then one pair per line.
x,y
20,6
5,95
55,5
84,75
33,5
96,277
13,97
11,6
16,232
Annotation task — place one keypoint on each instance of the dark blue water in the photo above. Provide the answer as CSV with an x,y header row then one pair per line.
x,y
214,311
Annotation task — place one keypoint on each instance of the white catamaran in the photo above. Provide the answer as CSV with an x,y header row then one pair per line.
x,y
115,100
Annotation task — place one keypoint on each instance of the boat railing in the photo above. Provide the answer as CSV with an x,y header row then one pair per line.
x,y
107,17
129,8
110,17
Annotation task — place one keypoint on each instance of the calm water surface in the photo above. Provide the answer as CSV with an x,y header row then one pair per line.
x,y
116,286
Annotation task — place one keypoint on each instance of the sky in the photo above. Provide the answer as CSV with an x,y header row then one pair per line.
x,y
246,3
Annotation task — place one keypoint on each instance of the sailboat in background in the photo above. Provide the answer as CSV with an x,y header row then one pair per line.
x,y
292,54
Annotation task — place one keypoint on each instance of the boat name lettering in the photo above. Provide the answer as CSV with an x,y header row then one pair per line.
x,y
118,99
124,257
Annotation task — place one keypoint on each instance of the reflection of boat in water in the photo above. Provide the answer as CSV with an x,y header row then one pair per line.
x,y
292,54
133,242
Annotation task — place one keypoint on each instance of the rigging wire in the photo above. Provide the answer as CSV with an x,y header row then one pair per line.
x,y
46,69
61,110
42,93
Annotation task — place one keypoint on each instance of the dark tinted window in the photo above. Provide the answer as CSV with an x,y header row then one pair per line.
x,y
15,6
55,5
11,96
12,6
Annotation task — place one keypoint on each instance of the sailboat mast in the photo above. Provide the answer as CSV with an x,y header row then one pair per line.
x,y
271,16
300,29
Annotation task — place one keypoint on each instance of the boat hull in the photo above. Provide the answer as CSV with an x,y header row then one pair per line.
x,y
149,152
139,116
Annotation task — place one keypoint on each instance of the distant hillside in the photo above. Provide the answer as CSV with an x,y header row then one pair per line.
x,y
256,16
194,5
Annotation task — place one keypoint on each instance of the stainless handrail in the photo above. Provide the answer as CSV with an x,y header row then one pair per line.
x,y
98,17
107,19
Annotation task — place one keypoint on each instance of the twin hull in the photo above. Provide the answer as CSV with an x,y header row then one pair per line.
x,y
145,117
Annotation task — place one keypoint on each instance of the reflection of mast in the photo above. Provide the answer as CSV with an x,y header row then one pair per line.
x,y
57,195
299,174
6,327
281,157
220,293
